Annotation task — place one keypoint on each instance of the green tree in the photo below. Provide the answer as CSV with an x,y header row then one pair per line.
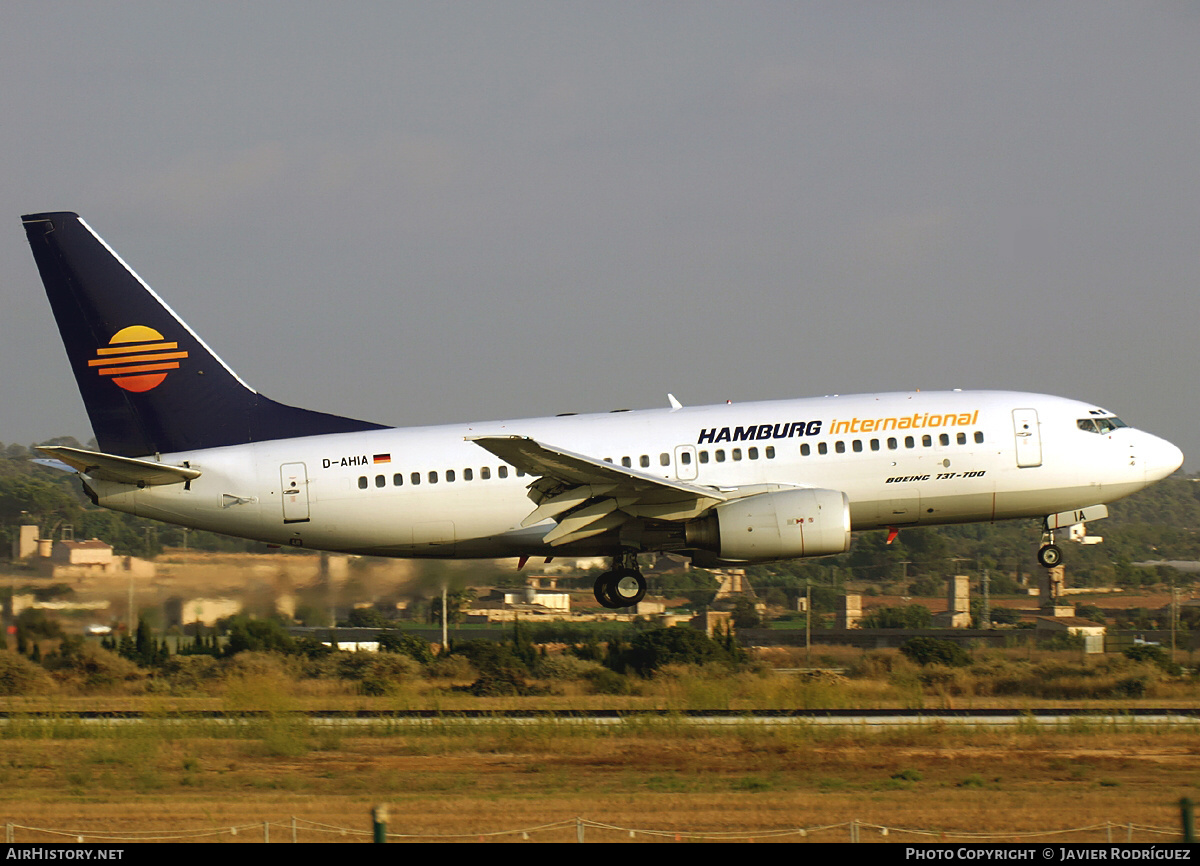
x,y
258,635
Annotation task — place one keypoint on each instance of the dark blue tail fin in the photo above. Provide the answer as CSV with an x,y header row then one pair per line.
x,y
149,383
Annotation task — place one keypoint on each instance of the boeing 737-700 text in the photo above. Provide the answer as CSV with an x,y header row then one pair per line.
x,y
183,439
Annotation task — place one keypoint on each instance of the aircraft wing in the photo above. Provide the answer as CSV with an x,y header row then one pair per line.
x,y
587,496
111,467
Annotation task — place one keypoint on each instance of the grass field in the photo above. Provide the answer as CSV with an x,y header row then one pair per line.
x,y
658,777
163,777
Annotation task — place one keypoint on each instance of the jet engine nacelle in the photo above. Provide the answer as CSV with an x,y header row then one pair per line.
x,y
787,524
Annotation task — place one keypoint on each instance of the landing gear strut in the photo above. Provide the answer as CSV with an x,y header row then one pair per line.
x,y
1049,554
623,586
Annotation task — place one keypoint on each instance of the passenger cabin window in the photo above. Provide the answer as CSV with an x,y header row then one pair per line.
x,y
664,459
449,475
909,442
857,446
398,480
626,462
874,444
720,455
468,475
502,471
770,452
944,439
737,453
962,438
415,478
644,461
752,453
703,456
380,481
892,443
822,448
927,441
362,482
979,436
839,447
433,476
805,450
485,473
685,458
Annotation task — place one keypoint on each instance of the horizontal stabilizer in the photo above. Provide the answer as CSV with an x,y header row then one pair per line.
x,y
126,470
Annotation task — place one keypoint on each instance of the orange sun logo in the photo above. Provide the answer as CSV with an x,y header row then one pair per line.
x,y
137,358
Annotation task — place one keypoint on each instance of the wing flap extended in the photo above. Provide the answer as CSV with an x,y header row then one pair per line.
x,y
586,496
126,470
574,470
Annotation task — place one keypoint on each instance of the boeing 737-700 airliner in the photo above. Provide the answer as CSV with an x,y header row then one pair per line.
x,y
183,439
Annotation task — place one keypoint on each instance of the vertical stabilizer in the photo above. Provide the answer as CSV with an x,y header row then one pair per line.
x,y
149,383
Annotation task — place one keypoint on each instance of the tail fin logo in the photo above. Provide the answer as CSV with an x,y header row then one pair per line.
x,y
137,358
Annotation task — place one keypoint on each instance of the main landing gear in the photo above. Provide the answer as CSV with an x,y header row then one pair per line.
x,y
623,585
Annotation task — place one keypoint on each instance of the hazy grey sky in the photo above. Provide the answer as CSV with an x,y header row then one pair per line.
x,y
424,212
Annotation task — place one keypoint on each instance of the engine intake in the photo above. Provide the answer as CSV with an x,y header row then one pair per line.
x,y
787,524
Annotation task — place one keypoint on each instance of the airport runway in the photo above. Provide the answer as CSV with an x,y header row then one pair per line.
x,y
883,718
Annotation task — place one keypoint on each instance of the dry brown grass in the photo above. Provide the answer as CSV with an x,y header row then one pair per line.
x,y
651,776
661,775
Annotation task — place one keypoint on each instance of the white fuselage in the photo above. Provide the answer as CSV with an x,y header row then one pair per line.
x,y
901,459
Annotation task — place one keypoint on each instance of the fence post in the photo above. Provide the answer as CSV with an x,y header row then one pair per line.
x,y
578,829
1188,818
379,819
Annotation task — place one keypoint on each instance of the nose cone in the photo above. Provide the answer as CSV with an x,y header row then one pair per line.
x,y
1162,458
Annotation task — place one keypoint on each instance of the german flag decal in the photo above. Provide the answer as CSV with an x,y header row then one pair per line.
x,y
137,358
382,458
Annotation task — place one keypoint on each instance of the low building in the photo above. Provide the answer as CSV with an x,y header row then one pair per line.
x,y
91,558
206,611
1091,632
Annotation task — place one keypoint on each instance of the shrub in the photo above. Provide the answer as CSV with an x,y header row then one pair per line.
x,y
565,667
267,665
190,673
932,650
603,681
93,668
652,649
376,673
19,676
1155,655
907,616
407,644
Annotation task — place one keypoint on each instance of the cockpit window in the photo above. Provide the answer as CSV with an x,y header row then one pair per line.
x,y
1100,425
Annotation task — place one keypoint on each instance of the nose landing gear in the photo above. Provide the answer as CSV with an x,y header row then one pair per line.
x,y
1049,556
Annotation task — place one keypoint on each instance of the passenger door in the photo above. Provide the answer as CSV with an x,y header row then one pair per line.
x,y
1028,436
